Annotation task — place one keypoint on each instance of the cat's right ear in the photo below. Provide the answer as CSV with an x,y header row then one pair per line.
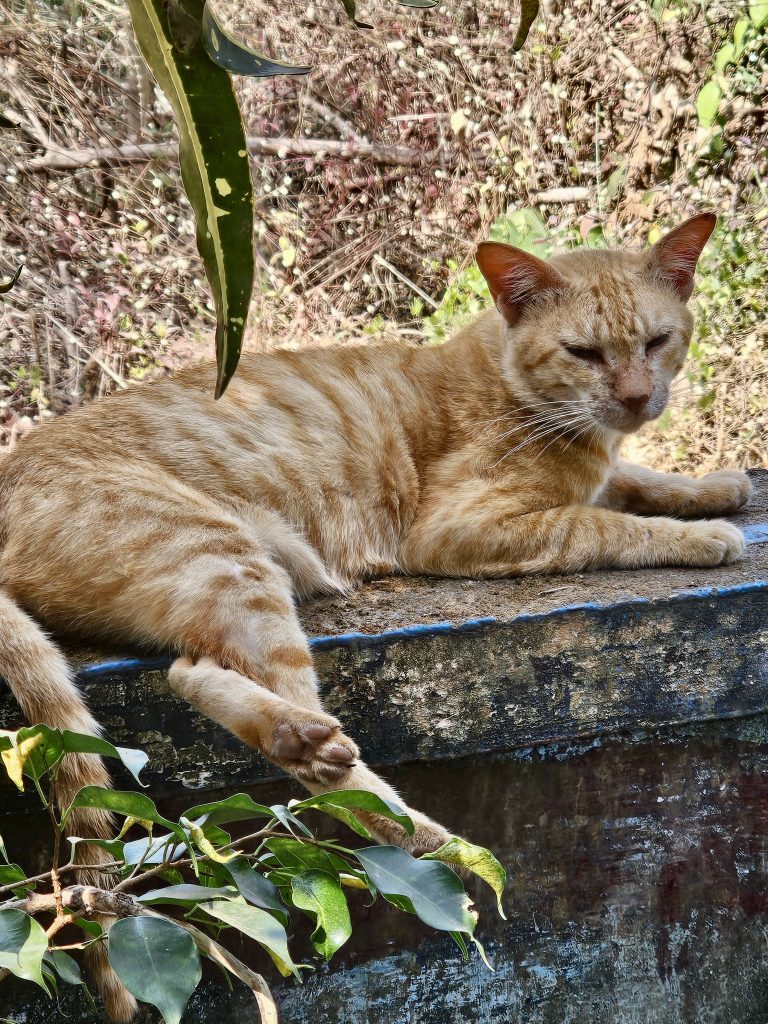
x,y
515,277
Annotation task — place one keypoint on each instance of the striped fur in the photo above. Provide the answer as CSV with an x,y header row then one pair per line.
x,y
161,516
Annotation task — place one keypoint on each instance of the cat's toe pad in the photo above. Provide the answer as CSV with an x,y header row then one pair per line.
x,y
315,749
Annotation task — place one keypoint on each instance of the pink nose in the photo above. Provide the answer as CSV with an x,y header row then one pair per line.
x,y
635,403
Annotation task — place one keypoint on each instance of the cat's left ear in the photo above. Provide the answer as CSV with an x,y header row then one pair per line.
x,y
674,258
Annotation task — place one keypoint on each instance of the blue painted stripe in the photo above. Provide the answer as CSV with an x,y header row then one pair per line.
x,y
449,628
756,533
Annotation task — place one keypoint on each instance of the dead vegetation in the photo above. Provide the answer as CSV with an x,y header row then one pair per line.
x,y
391,159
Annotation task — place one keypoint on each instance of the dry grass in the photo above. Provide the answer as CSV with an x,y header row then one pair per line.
x,y
113,290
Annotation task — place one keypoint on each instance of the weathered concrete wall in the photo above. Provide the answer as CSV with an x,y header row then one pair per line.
x,y
605,735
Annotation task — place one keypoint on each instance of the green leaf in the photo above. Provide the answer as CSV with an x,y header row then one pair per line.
x,y
360,800
476,859
22,946
252,885
321,896
425,4
758,12
292,853
65,966
239,807
9,282
233,56
529,10
257,924
153,850
37,749
186,895
726,55
289,819
739,31
81,743
157,962
431,889
215,169
115,847
124,802
708,102
10,873
344,815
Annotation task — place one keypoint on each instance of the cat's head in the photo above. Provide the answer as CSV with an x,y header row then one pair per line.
x,y
605,330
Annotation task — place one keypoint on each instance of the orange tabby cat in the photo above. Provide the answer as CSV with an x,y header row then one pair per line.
x,y
162,516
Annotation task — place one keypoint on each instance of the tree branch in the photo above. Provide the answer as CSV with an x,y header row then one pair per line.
x,y
286,148
86,900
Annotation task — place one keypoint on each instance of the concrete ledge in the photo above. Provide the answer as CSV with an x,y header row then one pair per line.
x,y
425,669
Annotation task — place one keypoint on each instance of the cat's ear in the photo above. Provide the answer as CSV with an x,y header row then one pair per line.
x,y
515,277
674,258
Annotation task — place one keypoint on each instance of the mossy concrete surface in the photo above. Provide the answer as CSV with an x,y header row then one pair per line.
x,y
604,734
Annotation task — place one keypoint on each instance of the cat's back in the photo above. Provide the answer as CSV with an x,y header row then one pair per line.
x,y
318,436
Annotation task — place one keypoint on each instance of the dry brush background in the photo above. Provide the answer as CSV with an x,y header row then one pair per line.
x,y
375,177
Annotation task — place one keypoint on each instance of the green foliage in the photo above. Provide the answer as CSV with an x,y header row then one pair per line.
x,y
203,885
737,74
157,962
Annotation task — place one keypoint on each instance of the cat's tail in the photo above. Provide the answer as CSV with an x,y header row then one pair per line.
x,y
42,682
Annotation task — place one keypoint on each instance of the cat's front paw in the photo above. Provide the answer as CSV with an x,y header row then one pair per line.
x,y
714,542
724,492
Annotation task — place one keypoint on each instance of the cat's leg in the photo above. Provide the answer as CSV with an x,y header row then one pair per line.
x,y
234,701
635,489
475,530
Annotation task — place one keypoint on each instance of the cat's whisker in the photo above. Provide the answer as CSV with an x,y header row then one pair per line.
x,y
557,429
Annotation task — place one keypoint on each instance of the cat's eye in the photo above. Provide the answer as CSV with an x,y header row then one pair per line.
x,y
588,355
657,342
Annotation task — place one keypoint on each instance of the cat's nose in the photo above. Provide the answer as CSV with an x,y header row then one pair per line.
x,y
635,403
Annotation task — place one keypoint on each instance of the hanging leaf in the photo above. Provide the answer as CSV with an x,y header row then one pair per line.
x,y
320,895
214,165
476,859
258,925
157,962
429,889
529,10
9,282
22,946
425,4
708,103
254,887
65,966
233,56
81,743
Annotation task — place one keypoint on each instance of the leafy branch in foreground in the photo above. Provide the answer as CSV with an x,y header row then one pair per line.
x,y
206,882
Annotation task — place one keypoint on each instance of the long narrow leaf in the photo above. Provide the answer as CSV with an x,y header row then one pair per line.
x,y
214,162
